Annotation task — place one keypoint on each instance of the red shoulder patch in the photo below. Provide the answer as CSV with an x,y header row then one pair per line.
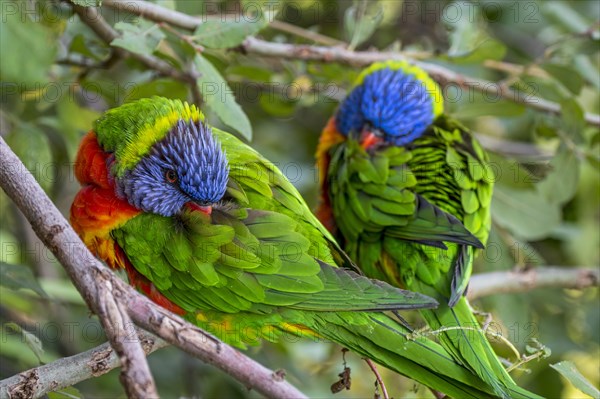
x,y
96,210
329,137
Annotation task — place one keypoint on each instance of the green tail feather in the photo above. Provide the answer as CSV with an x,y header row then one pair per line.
x,y
461,335
376,336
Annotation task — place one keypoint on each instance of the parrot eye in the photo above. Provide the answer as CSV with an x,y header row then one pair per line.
x,y
171,176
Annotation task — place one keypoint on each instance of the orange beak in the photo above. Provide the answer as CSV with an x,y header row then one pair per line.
x,y
369,139
200,208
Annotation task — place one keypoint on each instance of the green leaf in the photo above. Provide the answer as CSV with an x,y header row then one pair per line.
x,y
573,117
28,48
488,49
31,340
219,97
545,130
140,38
595,140
252,73
495,108
560,185
219,34
79,45
88,3
469,42
568,76
18,276
512,173
524,212
534,86
593,160
62,291
361,20
565,15
587,69
568,370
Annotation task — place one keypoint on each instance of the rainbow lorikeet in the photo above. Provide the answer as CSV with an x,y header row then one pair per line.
x,y
209,229
408,190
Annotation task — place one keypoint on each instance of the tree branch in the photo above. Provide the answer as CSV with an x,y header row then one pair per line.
x,y
135,373
378,378
88,275
343,55
440,73
69,371
56,234
154,13
506,282
513,148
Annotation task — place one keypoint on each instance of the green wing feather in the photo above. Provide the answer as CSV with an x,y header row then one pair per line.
x,y
244,260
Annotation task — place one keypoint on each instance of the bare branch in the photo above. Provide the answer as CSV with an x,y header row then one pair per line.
x,y
154,13
135,372
513,148
343,55
373,368
506,282
68,371
305,33
87,273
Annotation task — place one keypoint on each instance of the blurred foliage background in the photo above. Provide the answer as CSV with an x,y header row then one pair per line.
x,y
57,77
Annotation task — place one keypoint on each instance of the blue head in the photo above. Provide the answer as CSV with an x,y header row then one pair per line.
x,y
186,167
393,102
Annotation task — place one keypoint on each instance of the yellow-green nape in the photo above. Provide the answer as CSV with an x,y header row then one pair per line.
x,y
431,86
133,128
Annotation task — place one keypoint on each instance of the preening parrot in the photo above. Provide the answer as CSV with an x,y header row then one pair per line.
x,y
208,228
407,190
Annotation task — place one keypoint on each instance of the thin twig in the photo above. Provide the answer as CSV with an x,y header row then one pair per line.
x,y
515,69
159,14
154,13
306,34
513,148
71,370
87,272
188,39
525,359
378,377
506,282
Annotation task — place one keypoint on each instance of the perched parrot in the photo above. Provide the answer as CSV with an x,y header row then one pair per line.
x,y
407,192
208,228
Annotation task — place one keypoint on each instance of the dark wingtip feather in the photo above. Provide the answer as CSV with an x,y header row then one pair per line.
x,y
476,243
454,298
458,285
382,296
